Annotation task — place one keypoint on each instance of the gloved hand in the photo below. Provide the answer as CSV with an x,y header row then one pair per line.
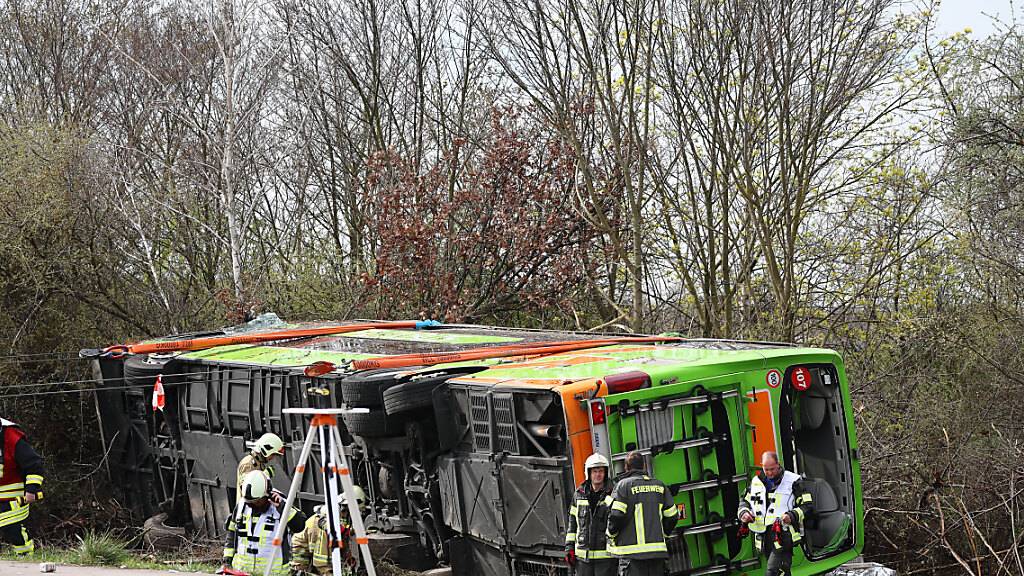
x,y
747,518
570,557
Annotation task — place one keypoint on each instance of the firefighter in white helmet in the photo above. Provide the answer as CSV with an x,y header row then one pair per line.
x,y
264,450
586,545
311,551
250,529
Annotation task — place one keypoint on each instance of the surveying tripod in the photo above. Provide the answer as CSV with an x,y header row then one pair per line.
x,y
334,465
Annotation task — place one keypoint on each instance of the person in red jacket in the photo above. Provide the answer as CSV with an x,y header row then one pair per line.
x,y
21,484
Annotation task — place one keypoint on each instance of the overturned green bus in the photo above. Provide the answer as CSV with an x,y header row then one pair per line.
x,y
470,457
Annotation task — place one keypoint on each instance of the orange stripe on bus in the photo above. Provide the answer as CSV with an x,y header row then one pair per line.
x,y
762,418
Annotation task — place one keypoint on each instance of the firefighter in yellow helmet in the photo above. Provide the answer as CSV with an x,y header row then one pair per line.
x,y
311,551
21,483
264,450
250,530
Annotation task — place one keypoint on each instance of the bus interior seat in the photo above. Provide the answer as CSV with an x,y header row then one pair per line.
x,y
812,412
812,405
828,527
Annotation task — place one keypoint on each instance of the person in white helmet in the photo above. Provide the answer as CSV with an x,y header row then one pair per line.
x,y
264,451
311,549
586,545
250,529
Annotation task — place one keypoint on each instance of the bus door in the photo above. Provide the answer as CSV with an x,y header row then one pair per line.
x,y
694,438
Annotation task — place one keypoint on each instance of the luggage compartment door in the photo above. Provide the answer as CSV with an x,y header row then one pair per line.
x,y
535,502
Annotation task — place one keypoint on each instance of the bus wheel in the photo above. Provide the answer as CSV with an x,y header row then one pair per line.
x,y
412,395
372,424
365,389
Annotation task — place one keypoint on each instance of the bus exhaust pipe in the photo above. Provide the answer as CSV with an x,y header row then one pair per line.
x,y
544,430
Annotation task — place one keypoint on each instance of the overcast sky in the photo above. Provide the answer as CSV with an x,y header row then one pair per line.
x,y
955,15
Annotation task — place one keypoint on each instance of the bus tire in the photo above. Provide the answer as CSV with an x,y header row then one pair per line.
x,y
372,424
412,395
364,389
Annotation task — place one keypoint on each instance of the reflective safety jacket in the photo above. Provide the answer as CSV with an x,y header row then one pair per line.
x,y
249,543
588,520
311,551
21,471
768,505
643,512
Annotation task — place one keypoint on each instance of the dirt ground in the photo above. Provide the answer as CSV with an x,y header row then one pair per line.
x,y
32,569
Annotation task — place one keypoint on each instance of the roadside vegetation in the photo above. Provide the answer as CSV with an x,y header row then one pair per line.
x,y
833,172
106,549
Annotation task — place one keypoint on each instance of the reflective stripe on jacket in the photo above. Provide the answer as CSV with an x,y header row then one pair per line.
x,y
767,506
642,512
21,468
588,519
310,547
249,543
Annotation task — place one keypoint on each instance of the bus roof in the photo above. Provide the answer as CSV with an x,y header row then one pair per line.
x,y
545,371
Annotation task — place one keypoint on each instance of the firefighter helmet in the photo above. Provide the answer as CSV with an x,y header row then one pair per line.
x,y
360,497
269,444
595,461
255,486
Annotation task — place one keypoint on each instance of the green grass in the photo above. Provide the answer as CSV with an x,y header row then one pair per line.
x,y
105,549
102,549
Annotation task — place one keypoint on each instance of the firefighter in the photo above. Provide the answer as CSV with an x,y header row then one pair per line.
x,y
21,484
586,544
773,509
264,450
642,513
310,547
250,529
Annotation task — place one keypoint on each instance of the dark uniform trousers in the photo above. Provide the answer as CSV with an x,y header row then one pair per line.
x,y
602,567
634,567
779,562
16,534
